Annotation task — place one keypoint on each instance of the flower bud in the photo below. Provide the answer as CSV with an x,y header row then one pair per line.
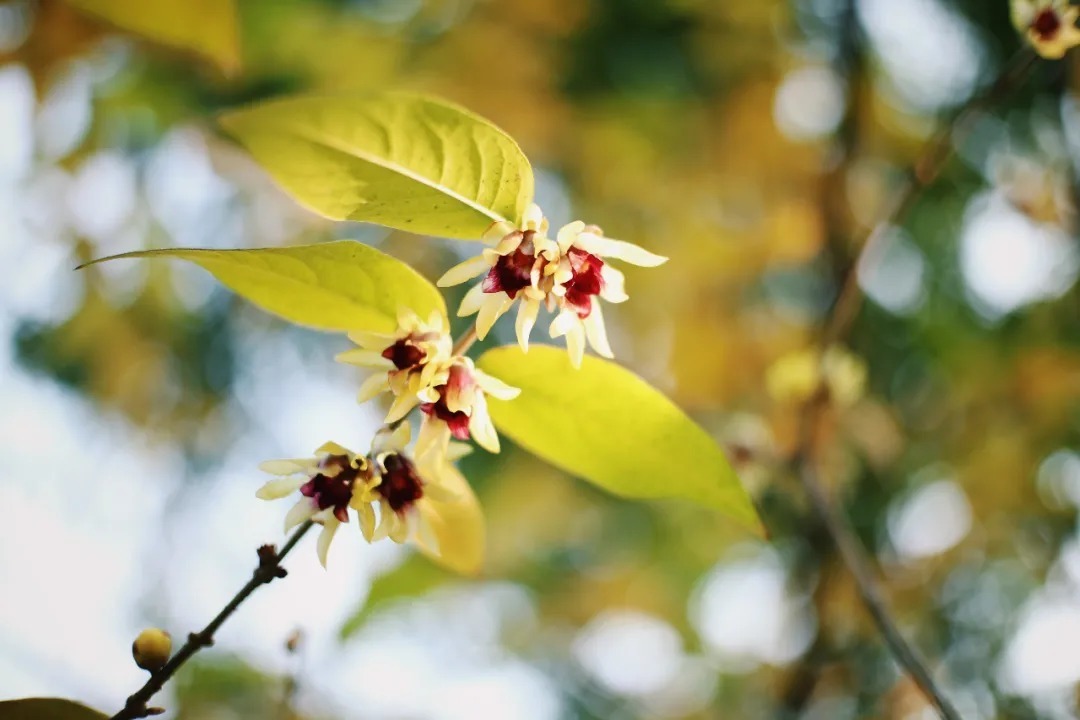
x,y
152,649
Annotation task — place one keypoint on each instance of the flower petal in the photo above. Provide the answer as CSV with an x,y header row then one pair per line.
x,y
620,250
330,527
483,432
526,320
497,231
613,289
302,511
533,219
494,305
596,333
289,466
495,387
472,301
372,387
399,528
366,515
364,358
575,344
464,271
402,406
568,234
276,489
433,437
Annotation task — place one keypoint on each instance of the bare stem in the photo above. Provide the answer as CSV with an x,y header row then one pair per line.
x,y
268,570
837,327
462,346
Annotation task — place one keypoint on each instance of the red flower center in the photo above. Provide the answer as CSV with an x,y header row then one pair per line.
x,y
1046,24
512,272
404,354
586,282
334,487
401,485
458,421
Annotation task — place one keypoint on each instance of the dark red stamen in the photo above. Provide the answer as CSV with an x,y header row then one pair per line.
x,y
404,354
586,282
334,487
401,485
1046,24
458,422
512,272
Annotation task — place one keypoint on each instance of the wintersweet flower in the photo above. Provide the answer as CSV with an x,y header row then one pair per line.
x,y
460,409
581,277
402,493
327,485
565,274
410,362
1050,25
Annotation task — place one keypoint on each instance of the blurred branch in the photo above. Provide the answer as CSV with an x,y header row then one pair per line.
x,y
268,570
837,327
923,172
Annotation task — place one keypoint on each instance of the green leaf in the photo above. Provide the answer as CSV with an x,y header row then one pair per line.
x,y
207,27
342,285
610,427
47,709
405,161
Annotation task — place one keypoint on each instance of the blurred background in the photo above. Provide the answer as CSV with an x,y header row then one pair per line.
x,y
754,143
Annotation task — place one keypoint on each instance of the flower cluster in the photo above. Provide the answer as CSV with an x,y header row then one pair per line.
x,y
394,495
1049,25
566,275
417,366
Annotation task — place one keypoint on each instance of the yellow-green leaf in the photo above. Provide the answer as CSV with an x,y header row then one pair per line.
x,y
47,709
341,285
405,161
207,27
610,427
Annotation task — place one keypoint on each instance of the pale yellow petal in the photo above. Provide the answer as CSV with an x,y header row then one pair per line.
x,y
302,511
483,432
464,271
288,466
402,406
533,219
495,387
386,519
332,448
526,320
492,308
364,358
568,234
330,527
596,333
276,489
610,248
366,515
399,528
497,231
613,290
372,340
372,387
473,300
425,533
458,526
400,437
433,437
575,344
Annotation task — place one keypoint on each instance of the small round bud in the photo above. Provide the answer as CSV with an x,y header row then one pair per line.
x,y
152,649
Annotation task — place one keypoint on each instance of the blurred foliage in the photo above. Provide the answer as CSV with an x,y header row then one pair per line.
x,y
661,121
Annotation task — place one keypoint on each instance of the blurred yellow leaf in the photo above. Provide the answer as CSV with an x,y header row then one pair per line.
x,y
207,27
405,161
613,429
47,709
341,285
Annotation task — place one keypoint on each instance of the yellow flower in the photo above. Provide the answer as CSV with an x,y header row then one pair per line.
x,y
402,493
327,485
565,274
798,376
411,362
460,409
1049,25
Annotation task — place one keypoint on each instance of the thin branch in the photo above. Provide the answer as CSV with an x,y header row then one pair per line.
x,y
837,327
268,570
462,346
923,172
